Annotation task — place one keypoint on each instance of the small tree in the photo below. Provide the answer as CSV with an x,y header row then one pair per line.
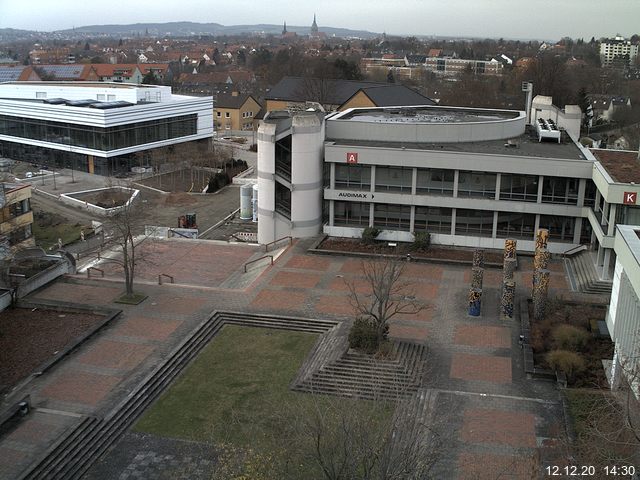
x,y
568,337
421,241
388,294
564,361
369,235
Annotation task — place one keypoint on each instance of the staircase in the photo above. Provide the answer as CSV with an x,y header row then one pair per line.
x,y
412,421
74,454
354,374
583,275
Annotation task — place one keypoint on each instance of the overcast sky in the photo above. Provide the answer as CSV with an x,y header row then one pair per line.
x,y
544,19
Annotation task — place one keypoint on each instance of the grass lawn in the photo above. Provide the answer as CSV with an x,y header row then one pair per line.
x,y
229,393
47,235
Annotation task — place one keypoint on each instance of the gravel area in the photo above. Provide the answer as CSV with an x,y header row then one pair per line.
x,y
29,337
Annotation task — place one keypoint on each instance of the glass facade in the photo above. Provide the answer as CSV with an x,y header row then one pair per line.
x,y
560,228
435,181
519,187
476,184
351,214
433,220
516,225
560,190
477,223
392,217
394,179
97,138
355,177
283,157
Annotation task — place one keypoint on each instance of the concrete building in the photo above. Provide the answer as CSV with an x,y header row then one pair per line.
x,y
97,127
623,315
16,217
456,66
617,51
469,177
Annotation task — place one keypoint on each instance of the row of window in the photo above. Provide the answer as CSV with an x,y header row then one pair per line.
x,y
97,138
470,184
438,220
228,114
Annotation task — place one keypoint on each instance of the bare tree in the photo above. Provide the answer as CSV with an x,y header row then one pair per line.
x,y
388,293
123,227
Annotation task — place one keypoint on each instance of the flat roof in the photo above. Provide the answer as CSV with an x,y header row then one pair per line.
x,y
81,84
525,145
622,166
427,114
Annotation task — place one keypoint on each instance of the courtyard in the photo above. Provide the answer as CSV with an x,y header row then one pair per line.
x,y
502,421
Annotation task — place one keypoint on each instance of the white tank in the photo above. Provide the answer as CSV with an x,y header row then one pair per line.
x,y
246,212
254,203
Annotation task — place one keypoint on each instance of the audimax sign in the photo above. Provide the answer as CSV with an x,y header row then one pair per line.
x,y
355,195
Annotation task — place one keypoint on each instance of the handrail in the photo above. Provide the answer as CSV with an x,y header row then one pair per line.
x,y
96,269
164,275
573,250
257,259
267,245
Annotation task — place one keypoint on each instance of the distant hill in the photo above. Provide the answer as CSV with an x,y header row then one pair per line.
x,y
180,29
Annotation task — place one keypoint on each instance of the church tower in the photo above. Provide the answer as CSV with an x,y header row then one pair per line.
x,y
284,30
314,27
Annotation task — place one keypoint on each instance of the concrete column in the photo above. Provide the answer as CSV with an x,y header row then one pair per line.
x,y
611,229
536,225
540,184
373,179
494,229
332,210
332,179
582,187
456,177
605,213
371,214
605,264
577,229
414,182
498,179
453,221
412,219
597,199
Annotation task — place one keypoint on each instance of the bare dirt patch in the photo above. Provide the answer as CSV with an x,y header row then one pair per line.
x,y
355,245
29,337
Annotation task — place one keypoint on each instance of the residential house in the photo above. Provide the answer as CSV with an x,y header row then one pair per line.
x,y
293,93
603,107
235,111
18,73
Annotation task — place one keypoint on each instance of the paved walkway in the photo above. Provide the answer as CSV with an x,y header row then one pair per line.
x,y
498,417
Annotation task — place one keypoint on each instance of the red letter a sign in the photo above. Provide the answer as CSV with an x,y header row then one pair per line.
x,y
352,157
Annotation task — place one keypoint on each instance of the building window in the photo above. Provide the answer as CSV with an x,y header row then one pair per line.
x,y
519,187
218,114
435,181
516,225
227,115
357,177
105,139
477,223
393,179
392,217
560,190
560,228
433,220
590,194
477,184
353,214
283,200
41,94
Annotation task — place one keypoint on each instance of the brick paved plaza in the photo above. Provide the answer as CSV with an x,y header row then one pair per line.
x,y
477,365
